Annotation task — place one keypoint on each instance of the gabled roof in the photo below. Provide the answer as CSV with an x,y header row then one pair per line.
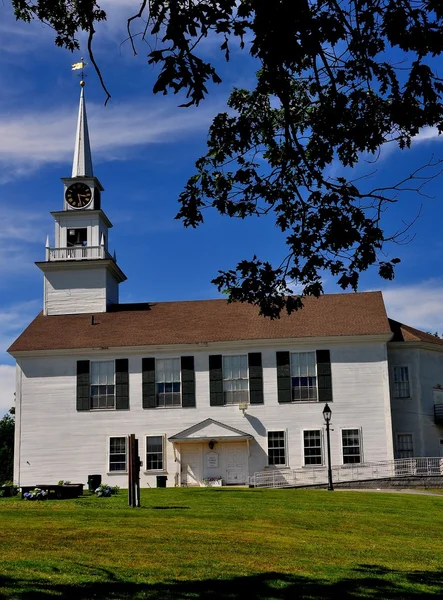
x,y
405,333
205,321
209,429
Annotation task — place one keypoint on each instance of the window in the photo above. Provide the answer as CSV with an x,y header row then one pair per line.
x,y
154,453
117,454
405,447
76,237
313,447
303,376
167,382
235,379
401,382
276,448
103,384
351,446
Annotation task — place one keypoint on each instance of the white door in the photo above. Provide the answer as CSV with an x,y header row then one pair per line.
x,y
191,464
236,463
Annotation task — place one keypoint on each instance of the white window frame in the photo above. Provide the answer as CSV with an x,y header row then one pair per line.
x,y
285,435
394,383
409,433
164,454
109,438
159,382
112,360
322,448
309,400
360,437
225,356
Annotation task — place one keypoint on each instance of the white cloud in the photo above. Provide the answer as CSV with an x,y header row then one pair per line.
x,y
7,388
14,319
426,134
418,304
47,136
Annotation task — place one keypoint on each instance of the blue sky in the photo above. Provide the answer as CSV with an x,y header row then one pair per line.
x,y
143,150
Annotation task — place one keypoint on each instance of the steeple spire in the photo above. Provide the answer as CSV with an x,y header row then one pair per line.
x,y
82,164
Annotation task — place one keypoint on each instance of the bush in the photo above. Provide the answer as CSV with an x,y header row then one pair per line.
x,y
61,482
105,490
8,489
36,494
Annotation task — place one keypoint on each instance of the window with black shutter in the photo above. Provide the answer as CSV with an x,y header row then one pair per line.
x,y
304,376
168,382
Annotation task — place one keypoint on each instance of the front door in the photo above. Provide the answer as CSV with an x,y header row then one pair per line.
x,y
191,464
236,463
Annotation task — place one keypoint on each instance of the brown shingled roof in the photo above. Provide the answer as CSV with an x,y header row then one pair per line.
x,y
405,333
190,322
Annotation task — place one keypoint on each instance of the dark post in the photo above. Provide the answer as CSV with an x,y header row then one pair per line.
x,y
327,413
133,472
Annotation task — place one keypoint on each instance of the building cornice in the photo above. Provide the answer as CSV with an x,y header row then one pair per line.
x,y
283,344
74,265
407,345
83,214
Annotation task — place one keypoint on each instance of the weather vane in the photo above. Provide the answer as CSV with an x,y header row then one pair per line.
x,y
80,66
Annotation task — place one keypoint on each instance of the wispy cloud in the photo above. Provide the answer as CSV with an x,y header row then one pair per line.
x,y
13,320
35,139
7,388
418,304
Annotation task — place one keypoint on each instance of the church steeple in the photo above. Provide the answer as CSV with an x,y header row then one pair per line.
x,y
80,274
82,163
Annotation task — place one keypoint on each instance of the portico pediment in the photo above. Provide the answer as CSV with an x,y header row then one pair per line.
x,y
210,430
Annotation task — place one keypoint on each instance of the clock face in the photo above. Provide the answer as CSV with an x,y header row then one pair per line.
x,y
78,195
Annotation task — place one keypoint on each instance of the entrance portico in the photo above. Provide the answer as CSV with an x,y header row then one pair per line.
x,y
212,450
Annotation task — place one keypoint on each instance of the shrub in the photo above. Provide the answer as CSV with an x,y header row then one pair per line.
x,y
8,489
61,482
105,490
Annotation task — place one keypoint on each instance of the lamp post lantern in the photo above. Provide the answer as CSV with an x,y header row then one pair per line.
x,y
327,413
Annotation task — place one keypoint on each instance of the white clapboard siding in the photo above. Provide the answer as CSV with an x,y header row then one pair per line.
x,y
58,442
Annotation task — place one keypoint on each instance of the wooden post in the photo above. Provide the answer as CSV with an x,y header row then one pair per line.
x,y
133,472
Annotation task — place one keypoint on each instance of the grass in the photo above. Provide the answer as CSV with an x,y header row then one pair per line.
x,y
224,544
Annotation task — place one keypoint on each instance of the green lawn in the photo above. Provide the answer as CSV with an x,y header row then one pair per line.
x,y
224,544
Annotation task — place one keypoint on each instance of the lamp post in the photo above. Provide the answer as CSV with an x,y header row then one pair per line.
x,y
327,413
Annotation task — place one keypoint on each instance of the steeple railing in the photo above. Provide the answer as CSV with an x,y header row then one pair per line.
x,y
77,253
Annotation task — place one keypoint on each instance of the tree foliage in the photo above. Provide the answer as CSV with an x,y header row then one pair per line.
x,y
7,446
335,80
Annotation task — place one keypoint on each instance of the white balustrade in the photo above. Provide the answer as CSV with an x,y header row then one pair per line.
x,y
402,467
77,253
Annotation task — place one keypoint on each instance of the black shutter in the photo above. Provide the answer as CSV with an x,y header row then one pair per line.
x,y
255,378
122,384
83,385
284,387
216,380
148,382
324,376
188,381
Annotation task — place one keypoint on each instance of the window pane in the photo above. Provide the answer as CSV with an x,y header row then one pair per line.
x,y
351,446
276,448
235,379
401,382
313,447
154,453
102,390
304,379
404,445
168,382
117,454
